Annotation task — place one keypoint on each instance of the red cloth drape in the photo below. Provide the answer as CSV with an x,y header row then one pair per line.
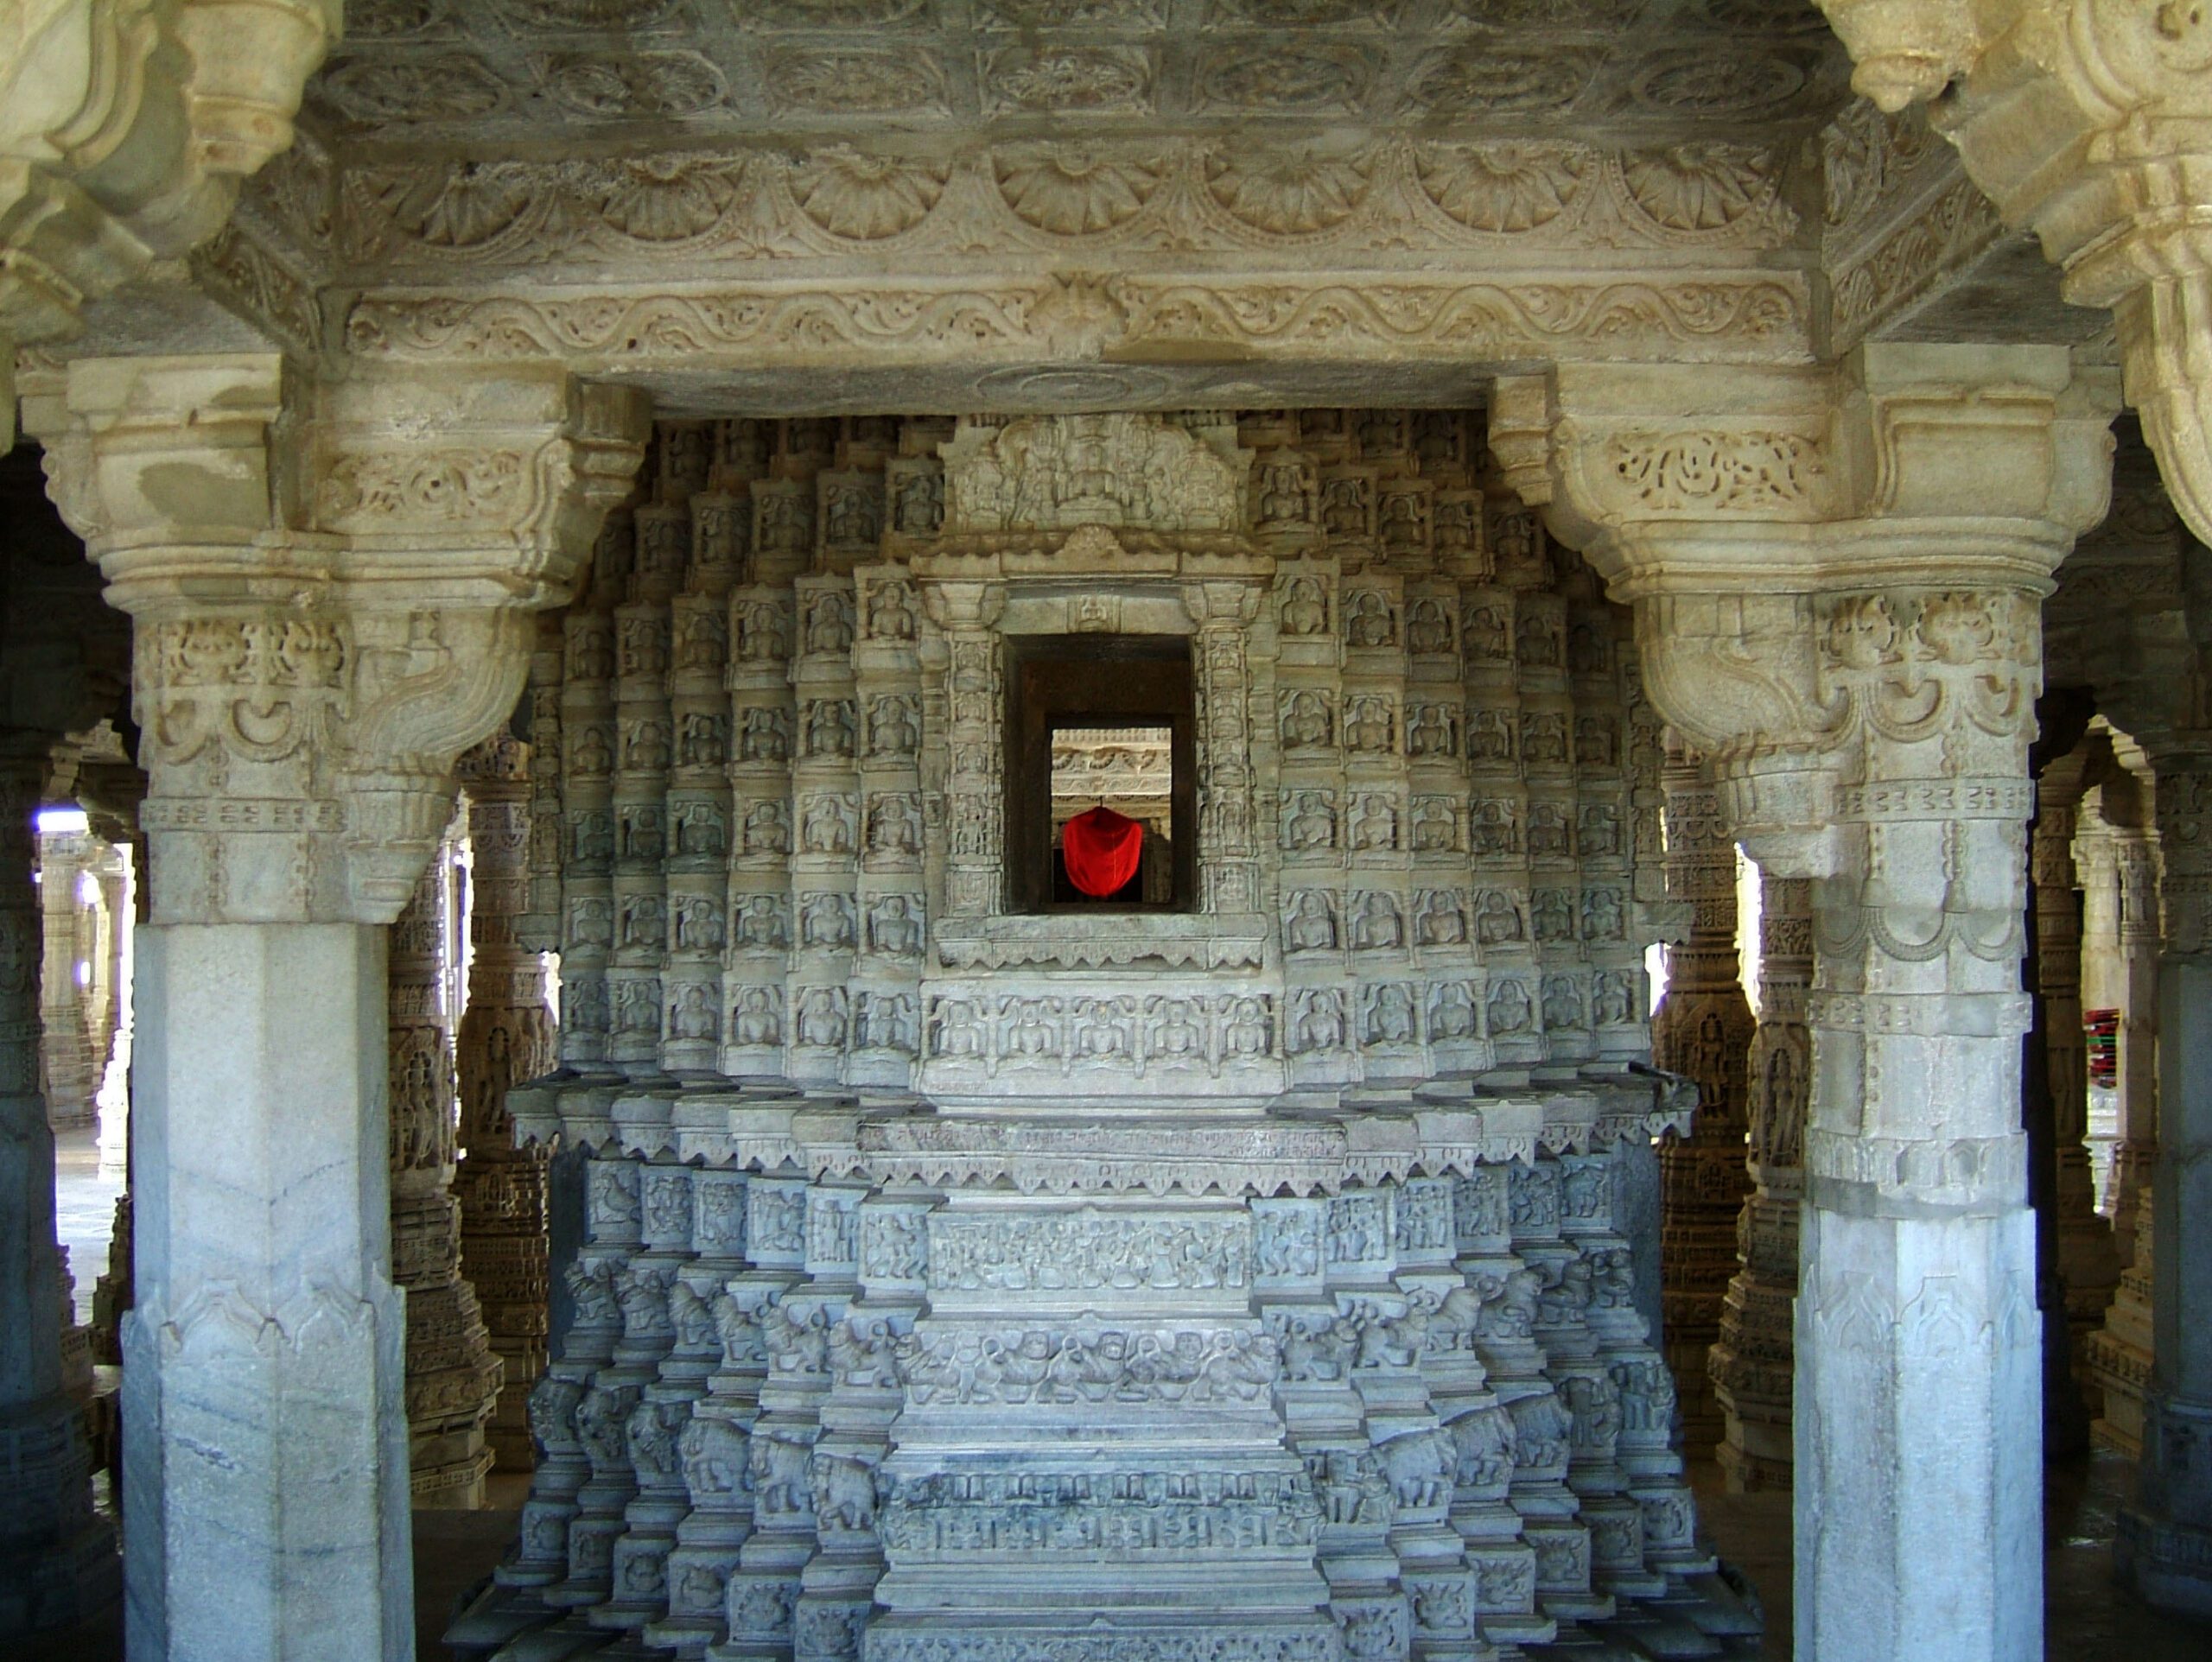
x,y
1101,848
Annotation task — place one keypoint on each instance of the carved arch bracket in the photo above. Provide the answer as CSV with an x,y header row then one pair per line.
x,y
331,596
1835,574
2085,121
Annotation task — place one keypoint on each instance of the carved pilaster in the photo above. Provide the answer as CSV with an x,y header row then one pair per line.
x,y
1836,583
1701,1030
1752,1359
329,587
974,708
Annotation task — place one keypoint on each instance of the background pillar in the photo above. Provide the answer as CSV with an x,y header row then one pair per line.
x,y
452,1375
507,1037
1703,1029
1752,1359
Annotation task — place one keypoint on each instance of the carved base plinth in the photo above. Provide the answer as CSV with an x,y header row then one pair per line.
x,y
2169,1564
897,1640
1306,1385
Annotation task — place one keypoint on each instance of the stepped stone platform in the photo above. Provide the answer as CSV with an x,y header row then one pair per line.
x,y
1353,1376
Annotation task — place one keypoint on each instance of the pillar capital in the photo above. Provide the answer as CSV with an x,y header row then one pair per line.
x,y
2090,123
1823,559
330,585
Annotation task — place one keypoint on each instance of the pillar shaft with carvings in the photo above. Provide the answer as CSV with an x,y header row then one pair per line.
x,y
1751,1359
507,1037
1702,1030
329,587
452,1375
1837,576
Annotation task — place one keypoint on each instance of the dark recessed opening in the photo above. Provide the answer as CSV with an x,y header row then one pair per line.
x,y
1100,721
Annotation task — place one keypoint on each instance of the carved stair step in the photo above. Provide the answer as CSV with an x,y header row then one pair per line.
x,y
1659,1636
572,1636
1722,1607
490,1616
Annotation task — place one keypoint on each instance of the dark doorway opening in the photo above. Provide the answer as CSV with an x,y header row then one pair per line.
x,y
1100,721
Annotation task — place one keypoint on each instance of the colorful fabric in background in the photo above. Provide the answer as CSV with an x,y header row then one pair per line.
x,y
1101,848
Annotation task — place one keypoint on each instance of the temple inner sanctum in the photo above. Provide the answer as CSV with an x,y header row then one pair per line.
x,y
1053,831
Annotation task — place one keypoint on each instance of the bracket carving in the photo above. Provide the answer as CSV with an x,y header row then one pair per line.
x,y
2084,120
330,592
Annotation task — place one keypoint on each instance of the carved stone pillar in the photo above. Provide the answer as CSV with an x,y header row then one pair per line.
x,y
2165,1547
57,1559
2121,973
1701,1030
2137,925
1836,576
2087,1266
329,588
1751,1358
452,1375
507,1037
65,1057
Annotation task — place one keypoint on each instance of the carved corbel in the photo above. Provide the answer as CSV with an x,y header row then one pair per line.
x,y
330,592
125,130
1817,558
2085,121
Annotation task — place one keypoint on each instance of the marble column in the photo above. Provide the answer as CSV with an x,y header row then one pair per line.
x,y
2121,973
453,1378
1837,576
119,889
299,749
57,1559
507,1037
2087,1267
72,1073
1702,1030
2164,1546
1751,1358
